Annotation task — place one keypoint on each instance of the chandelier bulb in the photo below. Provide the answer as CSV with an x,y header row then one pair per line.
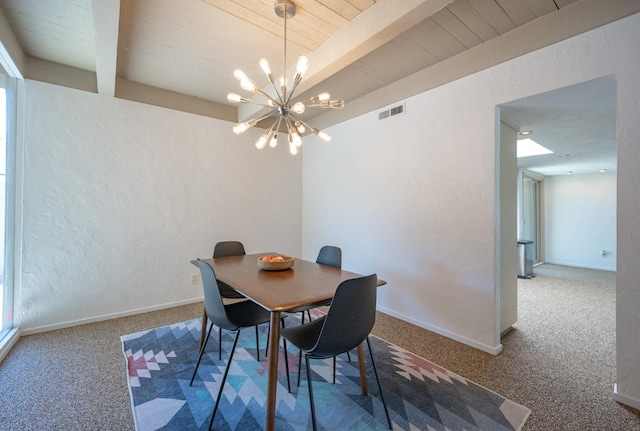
x,y
303,65
324,136
336,103
234,98
274,140
242,127
293,149
262,142
264,64
247,84
300,127
324,96
298,108
239,74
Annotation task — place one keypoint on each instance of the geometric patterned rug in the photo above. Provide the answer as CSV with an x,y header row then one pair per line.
x,y
419,394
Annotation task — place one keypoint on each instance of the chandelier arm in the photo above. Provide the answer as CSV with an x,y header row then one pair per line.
x,y
278,121
260,92
275,87
252,122
297,81
304,123
263,117
266,105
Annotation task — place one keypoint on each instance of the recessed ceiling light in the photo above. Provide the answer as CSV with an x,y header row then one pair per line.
x,y
603,170
569,173
563,156
526,132
528,147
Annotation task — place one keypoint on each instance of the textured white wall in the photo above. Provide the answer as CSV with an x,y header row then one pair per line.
x,y
118,197
412,197
580,220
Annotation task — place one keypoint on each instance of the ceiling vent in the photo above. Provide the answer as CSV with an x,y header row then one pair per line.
x,y
391,112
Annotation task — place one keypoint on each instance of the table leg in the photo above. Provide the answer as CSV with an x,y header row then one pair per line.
x,y
363,370
203,329
272,383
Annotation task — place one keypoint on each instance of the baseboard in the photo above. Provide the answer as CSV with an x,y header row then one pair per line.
x,y
8,341
103,317
624,399
488,349
576,265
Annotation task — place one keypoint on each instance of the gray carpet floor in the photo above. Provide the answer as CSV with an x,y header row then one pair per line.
x,y
559,361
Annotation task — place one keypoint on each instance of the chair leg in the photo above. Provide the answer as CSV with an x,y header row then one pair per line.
x,y
302,320
375,370
334,370
348,356
203,328
299,365
313,408
201,352
258,344
309,314
286,359
224,378
220,344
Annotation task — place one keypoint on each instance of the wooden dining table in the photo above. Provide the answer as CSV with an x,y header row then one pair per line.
x,y
279,291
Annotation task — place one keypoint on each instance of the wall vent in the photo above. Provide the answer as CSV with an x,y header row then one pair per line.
x,y
391,112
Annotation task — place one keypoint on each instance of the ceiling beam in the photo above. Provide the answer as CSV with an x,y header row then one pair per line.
x,y
567,22
372,28
106,18
11,55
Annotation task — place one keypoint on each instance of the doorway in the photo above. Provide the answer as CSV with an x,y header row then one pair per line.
x,y
530,226
555,202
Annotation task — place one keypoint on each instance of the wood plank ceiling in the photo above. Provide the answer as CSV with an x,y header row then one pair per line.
x,y
191,47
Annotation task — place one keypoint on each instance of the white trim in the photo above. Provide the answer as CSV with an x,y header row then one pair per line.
x,y
103,317
625,399
8,341
576,265
492,350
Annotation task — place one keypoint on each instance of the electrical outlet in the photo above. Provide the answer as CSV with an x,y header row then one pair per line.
x,y
195,278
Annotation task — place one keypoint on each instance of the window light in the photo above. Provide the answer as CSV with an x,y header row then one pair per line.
x,y
528,147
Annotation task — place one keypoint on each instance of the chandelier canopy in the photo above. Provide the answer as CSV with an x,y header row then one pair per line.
x,y
286,112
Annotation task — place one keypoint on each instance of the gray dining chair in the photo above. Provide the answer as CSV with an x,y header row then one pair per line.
x,y
329,255
223,249
231,317
332,256
343,328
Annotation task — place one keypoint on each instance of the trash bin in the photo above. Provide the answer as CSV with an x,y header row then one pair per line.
x,y
525,258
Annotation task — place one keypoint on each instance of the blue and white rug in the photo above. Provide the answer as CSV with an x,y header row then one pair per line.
x,y
419,394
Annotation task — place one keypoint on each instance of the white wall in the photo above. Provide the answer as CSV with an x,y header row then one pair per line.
x,y
118,197
580,220
413,197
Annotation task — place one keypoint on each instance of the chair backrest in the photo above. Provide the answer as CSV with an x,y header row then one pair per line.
x,y
228,248
350,318
213,304
330,255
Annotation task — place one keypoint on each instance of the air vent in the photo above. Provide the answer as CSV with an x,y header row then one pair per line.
x,y
391,112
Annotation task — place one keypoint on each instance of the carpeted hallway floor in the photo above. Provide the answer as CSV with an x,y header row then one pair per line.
x,y
559,361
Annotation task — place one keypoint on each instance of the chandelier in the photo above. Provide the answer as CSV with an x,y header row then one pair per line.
x,y
286,112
